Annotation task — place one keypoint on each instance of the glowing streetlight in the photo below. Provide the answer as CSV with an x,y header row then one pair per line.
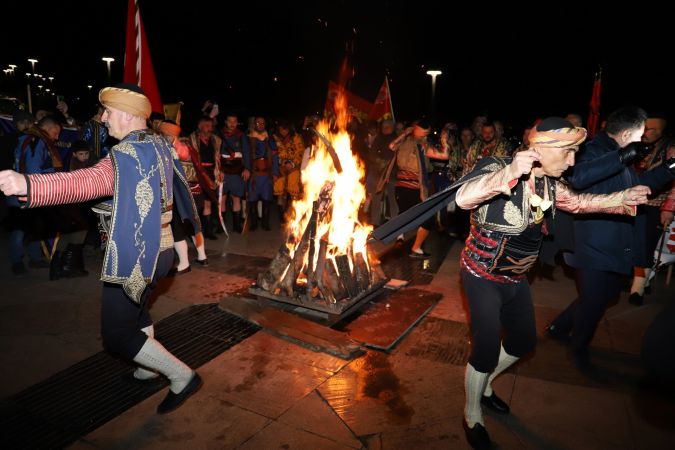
x,y
32,62
12,66
108,60
433,74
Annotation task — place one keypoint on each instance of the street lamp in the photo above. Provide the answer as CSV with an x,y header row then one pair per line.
x,y
32,62
108,60
434,74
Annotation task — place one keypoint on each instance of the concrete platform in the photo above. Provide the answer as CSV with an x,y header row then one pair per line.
x,y
267,393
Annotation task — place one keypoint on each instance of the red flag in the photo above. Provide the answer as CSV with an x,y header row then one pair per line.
x,y
594,113
137,62
356,105
383,109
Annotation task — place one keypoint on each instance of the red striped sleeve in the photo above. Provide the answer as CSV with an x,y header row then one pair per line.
x,y
71,187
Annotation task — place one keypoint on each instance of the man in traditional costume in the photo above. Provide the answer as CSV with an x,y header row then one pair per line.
x,y
144,177
513,203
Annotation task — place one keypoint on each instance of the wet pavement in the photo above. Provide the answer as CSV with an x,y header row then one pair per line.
x,y
267,393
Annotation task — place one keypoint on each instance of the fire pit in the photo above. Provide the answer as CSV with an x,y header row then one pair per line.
x,y
325,264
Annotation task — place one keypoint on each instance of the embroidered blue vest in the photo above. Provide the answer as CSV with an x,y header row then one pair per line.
x,y
148,178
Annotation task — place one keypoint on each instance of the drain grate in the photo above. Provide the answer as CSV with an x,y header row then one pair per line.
x,y
57,411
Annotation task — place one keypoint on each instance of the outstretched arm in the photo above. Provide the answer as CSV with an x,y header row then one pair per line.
x,y
622,202
61,187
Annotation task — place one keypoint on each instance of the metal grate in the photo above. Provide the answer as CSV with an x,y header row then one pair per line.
x,y
57,411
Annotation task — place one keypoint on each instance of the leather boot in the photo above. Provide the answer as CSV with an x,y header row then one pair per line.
x,y
207,228
266,216
236,221
72,262
55,266
253,215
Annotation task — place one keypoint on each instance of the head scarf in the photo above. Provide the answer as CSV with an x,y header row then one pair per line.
x,y
128,98
555,132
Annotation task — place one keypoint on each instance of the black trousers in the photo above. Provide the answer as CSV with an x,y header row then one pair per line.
x,y
497,307
406,198
122,319
596,288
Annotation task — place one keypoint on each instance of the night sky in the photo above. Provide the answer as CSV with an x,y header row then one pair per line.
x,y
514,70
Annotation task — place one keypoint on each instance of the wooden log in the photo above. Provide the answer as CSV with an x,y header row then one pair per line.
x,y
362,272
348,279
333,282
324,290
311,229
376,272
269,279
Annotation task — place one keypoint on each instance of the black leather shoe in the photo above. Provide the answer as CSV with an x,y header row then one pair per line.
x,y
173,401
495,403
636,299
173,272
477,436
204,262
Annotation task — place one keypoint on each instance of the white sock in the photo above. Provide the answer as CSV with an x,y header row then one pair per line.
x,y
419,251
400,237
182,251
505,361
474,385
140,373
198,240
153,355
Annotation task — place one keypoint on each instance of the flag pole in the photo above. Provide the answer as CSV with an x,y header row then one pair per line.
x,y
391,104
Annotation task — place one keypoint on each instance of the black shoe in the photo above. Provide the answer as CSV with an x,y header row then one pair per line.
x,y
636,299
477,436
203,262
583,363
553,333
495,403
173,401
174,271
423,255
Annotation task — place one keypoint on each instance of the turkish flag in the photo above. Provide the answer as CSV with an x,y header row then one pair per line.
x,y
594,113
137,62
383,109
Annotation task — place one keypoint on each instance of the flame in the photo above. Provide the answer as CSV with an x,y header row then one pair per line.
x,y
341,226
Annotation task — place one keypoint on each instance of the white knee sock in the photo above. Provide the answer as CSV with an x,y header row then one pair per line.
x,y
474,385
505,361
140,373
198,240
154,356
182,251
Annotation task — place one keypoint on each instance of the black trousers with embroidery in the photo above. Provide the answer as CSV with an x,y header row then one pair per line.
x,y
122,319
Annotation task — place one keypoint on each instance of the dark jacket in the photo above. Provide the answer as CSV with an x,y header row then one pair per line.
x,y
602,241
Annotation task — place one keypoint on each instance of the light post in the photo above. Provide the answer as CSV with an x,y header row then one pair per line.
x,y
108,60
32,63
433,74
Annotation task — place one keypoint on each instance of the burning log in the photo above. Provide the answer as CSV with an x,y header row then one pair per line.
x,y
325,290
268,280
311,233
333,282
346,276
362,272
